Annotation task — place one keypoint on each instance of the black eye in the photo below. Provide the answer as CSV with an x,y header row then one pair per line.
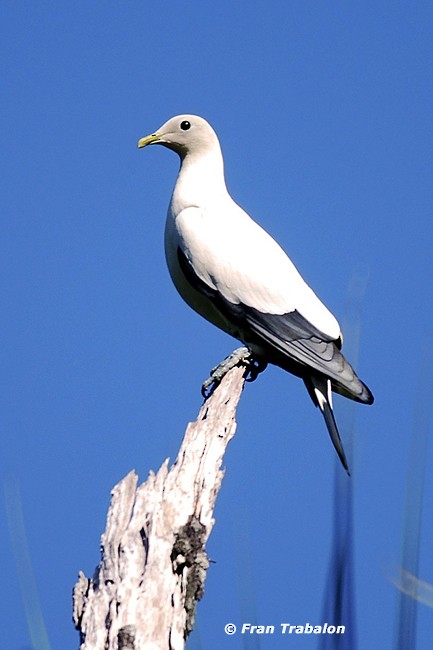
x,y
185,125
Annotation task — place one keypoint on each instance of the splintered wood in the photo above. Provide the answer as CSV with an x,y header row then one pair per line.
x,y
153,558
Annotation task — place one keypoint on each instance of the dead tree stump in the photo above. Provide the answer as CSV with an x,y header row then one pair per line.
x,y
153,558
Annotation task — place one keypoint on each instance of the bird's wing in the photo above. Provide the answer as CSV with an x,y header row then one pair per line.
x,y
229,252
254,285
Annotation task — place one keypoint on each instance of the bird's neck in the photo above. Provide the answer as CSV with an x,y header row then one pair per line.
x,y
200,181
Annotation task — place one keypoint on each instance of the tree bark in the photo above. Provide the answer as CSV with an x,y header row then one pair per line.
x,y
153,559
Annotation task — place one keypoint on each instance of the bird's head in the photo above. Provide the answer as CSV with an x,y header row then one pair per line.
x,y
184,134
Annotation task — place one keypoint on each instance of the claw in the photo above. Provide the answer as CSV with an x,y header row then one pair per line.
x,y
254,368
240,356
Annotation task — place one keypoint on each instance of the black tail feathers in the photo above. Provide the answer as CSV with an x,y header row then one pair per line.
x,y
333,432
319,388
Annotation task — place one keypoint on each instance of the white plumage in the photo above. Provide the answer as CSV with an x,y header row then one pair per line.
x,y
236,275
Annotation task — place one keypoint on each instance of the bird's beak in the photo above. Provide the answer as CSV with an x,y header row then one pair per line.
x,y
149,139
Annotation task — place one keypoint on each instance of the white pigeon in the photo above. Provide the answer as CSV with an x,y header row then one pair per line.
x,y
232,272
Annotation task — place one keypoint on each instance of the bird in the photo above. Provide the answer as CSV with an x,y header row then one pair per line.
x,y
233,273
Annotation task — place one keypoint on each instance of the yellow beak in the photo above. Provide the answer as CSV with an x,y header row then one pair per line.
x,y
149,139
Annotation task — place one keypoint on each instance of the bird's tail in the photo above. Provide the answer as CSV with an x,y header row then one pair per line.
x,y
319,388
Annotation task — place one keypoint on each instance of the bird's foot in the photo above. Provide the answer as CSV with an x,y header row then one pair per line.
x,y
240,356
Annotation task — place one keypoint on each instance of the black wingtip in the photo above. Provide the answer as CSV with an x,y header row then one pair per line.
x,y
367,396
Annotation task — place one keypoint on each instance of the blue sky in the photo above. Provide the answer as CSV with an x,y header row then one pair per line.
x,y
324,112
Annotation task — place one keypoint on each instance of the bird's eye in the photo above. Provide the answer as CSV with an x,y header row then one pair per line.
x,y
185,125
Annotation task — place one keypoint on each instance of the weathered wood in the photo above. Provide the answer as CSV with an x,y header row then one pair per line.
x,y
153,566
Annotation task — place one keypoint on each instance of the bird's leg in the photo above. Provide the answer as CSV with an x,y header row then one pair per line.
x,y
240,356
255,367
